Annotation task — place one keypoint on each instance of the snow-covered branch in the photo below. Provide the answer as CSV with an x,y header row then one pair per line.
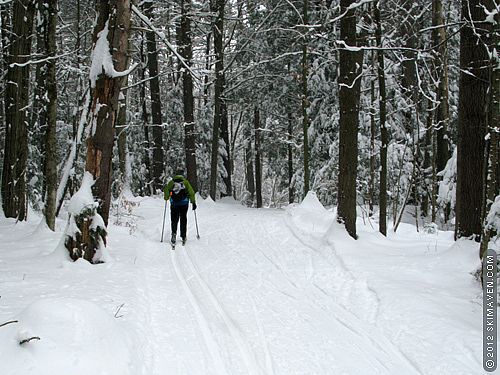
x,y
162,37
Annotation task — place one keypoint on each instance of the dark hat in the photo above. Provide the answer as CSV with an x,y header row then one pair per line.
x,y
179,172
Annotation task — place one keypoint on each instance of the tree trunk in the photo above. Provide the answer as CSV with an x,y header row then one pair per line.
x,y
154,86
424,208
38,120
186,51
113,23
372,142
145,122
472,119
121,128
305,101
291,190
50,135
249,164
441,65
384,137
493,148
349,79
258,166
16,103
220,126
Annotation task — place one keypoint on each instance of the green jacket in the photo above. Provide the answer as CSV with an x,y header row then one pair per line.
x,y
189,188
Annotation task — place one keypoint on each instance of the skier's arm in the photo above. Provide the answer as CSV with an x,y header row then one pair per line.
x,y
190,191
166,191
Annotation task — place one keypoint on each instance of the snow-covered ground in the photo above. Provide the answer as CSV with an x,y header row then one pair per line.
x,y
262,292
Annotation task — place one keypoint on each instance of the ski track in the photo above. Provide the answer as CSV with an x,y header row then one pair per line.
x,y
210,342
307,273
354,323
248,356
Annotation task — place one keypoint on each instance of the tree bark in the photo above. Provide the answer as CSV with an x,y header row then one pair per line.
x,y
304,99
50,135
258,165
349,94
291,190
121,126
441,66
16,103
105,104
38,120
371,187
472,119
154,85
220,127
493,147
186,51
145,122
384,137
249,164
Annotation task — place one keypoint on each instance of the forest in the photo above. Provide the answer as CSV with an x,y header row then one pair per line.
x,y
378,107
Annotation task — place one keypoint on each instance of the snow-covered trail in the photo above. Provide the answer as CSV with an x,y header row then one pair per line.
x,y
256,299
262,292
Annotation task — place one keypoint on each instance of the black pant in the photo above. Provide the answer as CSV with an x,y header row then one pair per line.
x,y
175,213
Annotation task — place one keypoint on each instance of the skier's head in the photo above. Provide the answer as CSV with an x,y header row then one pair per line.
x,y
179,172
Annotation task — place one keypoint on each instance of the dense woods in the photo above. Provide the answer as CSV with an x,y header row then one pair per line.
x,y
380,107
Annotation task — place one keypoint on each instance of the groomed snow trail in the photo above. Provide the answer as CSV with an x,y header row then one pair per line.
x,y
252,297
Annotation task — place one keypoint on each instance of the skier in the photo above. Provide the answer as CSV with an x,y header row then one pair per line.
x,y
180,192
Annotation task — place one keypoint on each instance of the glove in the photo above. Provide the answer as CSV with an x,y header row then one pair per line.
x,y
194,206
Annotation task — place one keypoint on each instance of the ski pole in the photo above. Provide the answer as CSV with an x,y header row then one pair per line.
x,y
196,221
163,225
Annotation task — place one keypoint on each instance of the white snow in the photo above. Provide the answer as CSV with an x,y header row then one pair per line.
x,y
448,186
264,291
83,197
75,337
493,217
102,61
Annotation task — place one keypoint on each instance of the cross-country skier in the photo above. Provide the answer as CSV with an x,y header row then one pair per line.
x,y
180,192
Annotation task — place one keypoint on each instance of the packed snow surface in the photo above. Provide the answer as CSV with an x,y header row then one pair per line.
x,y
262,292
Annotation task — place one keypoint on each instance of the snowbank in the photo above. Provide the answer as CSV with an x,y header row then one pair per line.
x,y
310,215
75,337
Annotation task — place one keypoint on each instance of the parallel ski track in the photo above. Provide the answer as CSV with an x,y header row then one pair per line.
x,y
210,341
246,352
342,315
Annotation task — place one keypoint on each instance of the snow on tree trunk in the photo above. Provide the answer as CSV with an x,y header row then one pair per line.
x,y
86,235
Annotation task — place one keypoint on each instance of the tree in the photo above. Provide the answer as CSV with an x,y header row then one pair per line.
x,y
349,80
16,104
186,51
492,157
258,158
384,134
154,84
305,99
50,135
110,37
220,126
441,68
472,118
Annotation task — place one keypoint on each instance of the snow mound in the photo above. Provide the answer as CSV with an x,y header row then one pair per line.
x,y
311,202
310,216
75,337
208,200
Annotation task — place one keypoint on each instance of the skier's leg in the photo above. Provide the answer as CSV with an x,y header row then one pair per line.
x,y
174,218
183,213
